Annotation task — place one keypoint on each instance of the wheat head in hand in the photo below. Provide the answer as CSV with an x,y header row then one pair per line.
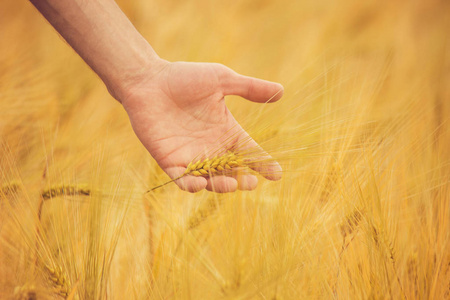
x,y
179,111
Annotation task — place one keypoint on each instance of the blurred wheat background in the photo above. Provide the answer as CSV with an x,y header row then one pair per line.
x,y
362,133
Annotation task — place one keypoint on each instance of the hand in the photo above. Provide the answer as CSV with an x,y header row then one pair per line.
x,y
177,109
179,112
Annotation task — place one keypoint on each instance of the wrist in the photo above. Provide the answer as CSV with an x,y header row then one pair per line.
x,y
122,85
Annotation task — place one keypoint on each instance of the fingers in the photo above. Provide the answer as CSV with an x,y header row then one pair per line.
x,y
221,184
270,169
217,184
226,184
191,184
246,182
259,160
253,89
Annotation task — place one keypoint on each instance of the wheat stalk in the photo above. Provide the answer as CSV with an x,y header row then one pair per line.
x,y
56,275
210,167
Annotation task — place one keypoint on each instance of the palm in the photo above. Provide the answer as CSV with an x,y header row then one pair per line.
x,y
182,114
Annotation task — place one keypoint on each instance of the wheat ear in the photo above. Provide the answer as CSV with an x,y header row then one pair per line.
x,y
209,167
9,189
348,228
58,280
203,212
69,190
350,224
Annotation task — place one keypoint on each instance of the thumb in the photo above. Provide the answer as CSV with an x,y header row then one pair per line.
x,y
253,89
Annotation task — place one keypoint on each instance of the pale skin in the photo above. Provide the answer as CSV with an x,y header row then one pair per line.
x,y
177,109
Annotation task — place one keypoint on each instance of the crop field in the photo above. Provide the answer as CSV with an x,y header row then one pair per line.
x,y
362,133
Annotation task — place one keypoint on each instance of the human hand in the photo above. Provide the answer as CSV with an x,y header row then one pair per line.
x,y
178,111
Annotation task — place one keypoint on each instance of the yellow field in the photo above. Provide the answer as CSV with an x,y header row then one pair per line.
x,y
362,133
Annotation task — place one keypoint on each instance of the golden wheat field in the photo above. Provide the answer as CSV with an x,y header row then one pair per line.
x,y
362,133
